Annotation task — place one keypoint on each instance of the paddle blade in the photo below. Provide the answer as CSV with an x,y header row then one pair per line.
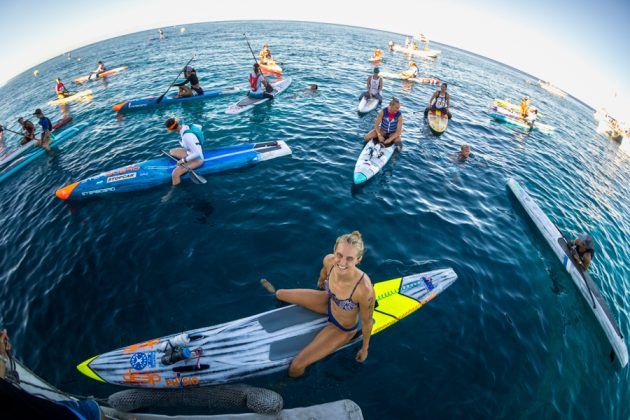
x,y
196,178
159,99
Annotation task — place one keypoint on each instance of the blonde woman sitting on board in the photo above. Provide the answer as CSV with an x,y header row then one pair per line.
x,y
347,299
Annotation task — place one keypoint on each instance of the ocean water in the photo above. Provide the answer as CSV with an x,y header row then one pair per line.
x,y
512,338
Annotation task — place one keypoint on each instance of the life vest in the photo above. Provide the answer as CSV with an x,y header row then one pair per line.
x,y
59,88
389,126
196,131
440,101
253,81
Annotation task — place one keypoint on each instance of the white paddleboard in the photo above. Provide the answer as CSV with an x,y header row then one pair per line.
x,y
371,161
367,105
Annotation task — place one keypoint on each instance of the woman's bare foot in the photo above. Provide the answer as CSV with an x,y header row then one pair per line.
x,y
268,286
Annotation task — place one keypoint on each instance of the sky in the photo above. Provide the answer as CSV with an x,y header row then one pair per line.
x,y
581,46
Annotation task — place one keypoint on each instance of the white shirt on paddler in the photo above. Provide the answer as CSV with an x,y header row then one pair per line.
x,y
191,143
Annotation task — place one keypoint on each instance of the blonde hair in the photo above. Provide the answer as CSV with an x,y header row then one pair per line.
x,y
353,239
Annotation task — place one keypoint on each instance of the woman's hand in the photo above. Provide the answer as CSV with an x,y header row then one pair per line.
x,y
362,354
5,344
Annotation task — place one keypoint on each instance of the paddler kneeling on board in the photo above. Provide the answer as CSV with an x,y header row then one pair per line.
x,y
582,249
60,89
191,77
440,101
388,126
374,86
258,85
265,55
347,317
17,403
28,130
46,125
190,155
411,72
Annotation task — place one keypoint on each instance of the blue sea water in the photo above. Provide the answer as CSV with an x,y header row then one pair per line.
x,y
512,338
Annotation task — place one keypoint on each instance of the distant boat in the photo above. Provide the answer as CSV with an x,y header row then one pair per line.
x,y
552,89
411,48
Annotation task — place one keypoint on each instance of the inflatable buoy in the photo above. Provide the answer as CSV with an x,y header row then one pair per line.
x,y
36,73
182,29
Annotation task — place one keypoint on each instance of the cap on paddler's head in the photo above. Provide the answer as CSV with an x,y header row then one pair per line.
x,y
171,123
38,112
376,70
188,68
587,241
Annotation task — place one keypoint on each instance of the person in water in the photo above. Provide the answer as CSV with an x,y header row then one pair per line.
x,y
161,34
374,86
258,85
583,250
440,101
60,89
191,77
28,130
347,299
17,403
464,152
411,72
388,126
525,107
47,128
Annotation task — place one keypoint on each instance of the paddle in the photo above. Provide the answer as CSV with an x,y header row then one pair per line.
x,y
268,87
159,99
196,178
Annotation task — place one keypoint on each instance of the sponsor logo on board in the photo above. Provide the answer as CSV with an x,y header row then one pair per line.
x,y
117,178
139,361
100,191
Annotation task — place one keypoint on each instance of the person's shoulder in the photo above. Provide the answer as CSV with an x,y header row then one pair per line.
x,y
366,287
329,260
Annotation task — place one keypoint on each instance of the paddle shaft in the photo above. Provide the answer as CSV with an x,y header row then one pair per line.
x,y
159,99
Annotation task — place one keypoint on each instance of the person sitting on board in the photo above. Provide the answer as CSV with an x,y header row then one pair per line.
x,y
347,316
388,125
374,86
265,55
28,130
17,403
531,118
377,55
582,249
190,155
258,85
61,90
411,72
100,69
44,121
440,101
191,76
525,107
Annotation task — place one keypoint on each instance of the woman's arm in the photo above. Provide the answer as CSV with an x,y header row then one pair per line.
x,y
323,273
366,309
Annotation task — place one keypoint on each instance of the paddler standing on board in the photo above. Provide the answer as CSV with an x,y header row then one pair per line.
x,y
258,85
60,89
525,107
388,126
374,86
190,155
582,249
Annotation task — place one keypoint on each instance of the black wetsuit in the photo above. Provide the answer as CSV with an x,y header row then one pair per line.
x,y
194,80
